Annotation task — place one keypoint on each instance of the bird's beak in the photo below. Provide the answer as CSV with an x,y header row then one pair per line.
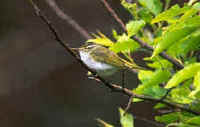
x,y
75,49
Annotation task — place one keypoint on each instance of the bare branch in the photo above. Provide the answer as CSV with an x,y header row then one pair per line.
x,y
129,104
114,14
143,44
113,87
69,19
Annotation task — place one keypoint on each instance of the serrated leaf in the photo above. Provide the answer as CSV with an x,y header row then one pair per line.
x,y
104,124
134,26
184,74
170,14
154,6
124,44
126,119
101,39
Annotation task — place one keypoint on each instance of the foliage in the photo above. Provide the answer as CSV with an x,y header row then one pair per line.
x,y
176,31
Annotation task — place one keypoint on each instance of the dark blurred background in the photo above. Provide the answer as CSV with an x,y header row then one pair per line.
x,y
43,86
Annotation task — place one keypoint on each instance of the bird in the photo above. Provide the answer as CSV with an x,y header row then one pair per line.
x,y
104,61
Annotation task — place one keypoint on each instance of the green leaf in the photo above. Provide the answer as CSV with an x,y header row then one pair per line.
x,y
161,64
159,106
168,118
159,76
170,14
124,44
115,35
104,124
196,84
145,75
181,94
154,6
150,83
184,74
101,39
189,43
135,100
134,26
131,7
194,121
196,6
145,15
180,124
126,119
171,37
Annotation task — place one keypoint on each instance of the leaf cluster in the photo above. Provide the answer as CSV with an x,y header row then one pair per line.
x,y
176,31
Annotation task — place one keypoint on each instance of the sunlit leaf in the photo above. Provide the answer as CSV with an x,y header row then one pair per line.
x,y
101,39
189,43
160,64
169,15
131,7
126,119
197,6
134,26
181,93
154,6
196,84
184,74
150,83
124,44
172,37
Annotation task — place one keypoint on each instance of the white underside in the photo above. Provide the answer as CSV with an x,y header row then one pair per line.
x,y
101,68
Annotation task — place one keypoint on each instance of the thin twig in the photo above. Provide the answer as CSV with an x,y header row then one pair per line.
x,y
113,87
129,104
143,44
130,93
112,12
69,19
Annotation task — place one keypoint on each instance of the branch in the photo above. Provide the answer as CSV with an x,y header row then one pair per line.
x,y
69,19
113,87
63,43
130,93
143,44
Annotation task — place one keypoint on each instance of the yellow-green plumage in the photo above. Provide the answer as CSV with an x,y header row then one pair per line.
x,y
103,60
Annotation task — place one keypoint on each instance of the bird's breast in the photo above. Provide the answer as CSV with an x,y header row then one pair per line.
x,y
90,62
